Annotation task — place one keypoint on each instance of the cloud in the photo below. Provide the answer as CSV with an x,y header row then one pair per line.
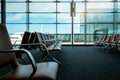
x,y
15,17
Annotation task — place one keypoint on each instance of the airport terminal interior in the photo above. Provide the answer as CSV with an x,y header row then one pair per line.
x,y
59,39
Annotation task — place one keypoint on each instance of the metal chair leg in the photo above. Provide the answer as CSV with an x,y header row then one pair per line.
x,y
55,60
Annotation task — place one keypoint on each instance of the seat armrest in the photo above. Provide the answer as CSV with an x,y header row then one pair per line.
x,y
33,44
34,66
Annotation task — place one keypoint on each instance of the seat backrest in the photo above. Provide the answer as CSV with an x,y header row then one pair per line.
x,y
40,40
43,38
36,38
104,38
113,36
31,39
108,39
117,39
5,44
25,39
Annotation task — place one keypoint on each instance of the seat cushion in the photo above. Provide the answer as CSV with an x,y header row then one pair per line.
x,y
45,71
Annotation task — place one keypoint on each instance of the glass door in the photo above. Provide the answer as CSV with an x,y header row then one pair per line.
x,y
78,22
71,21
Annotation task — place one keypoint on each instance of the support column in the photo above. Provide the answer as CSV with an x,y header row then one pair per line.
x,y
72,15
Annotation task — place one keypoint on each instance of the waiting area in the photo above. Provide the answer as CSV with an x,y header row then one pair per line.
x,y
59,39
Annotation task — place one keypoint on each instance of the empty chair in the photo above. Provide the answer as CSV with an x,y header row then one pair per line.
x,y
108,41
50,43
99,40
33,71
45,49
115,44
25,40
31,41
30,44
116,41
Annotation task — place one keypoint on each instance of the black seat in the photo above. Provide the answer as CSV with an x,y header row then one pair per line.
x,y
33,71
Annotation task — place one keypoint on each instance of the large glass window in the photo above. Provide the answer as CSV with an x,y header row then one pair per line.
x,y
100,18
16,7
15,0
64,33
42,18
42,7
118,18
15,28
42,0
64,18
80,7
79,31
100,7
16,18
63,7
43,28
54,17
100,0
118,4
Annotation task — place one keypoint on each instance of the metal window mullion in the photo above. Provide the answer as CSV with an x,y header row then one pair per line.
x,y
72,13
114,17
3,11
85,21
117,15
27,16
56,20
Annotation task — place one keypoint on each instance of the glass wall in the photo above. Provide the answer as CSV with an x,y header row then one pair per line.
x,y
93,18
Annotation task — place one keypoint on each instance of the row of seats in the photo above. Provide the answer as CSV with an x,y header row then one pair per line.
x,y
45,42
37,37
34,71
109,42
49,41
